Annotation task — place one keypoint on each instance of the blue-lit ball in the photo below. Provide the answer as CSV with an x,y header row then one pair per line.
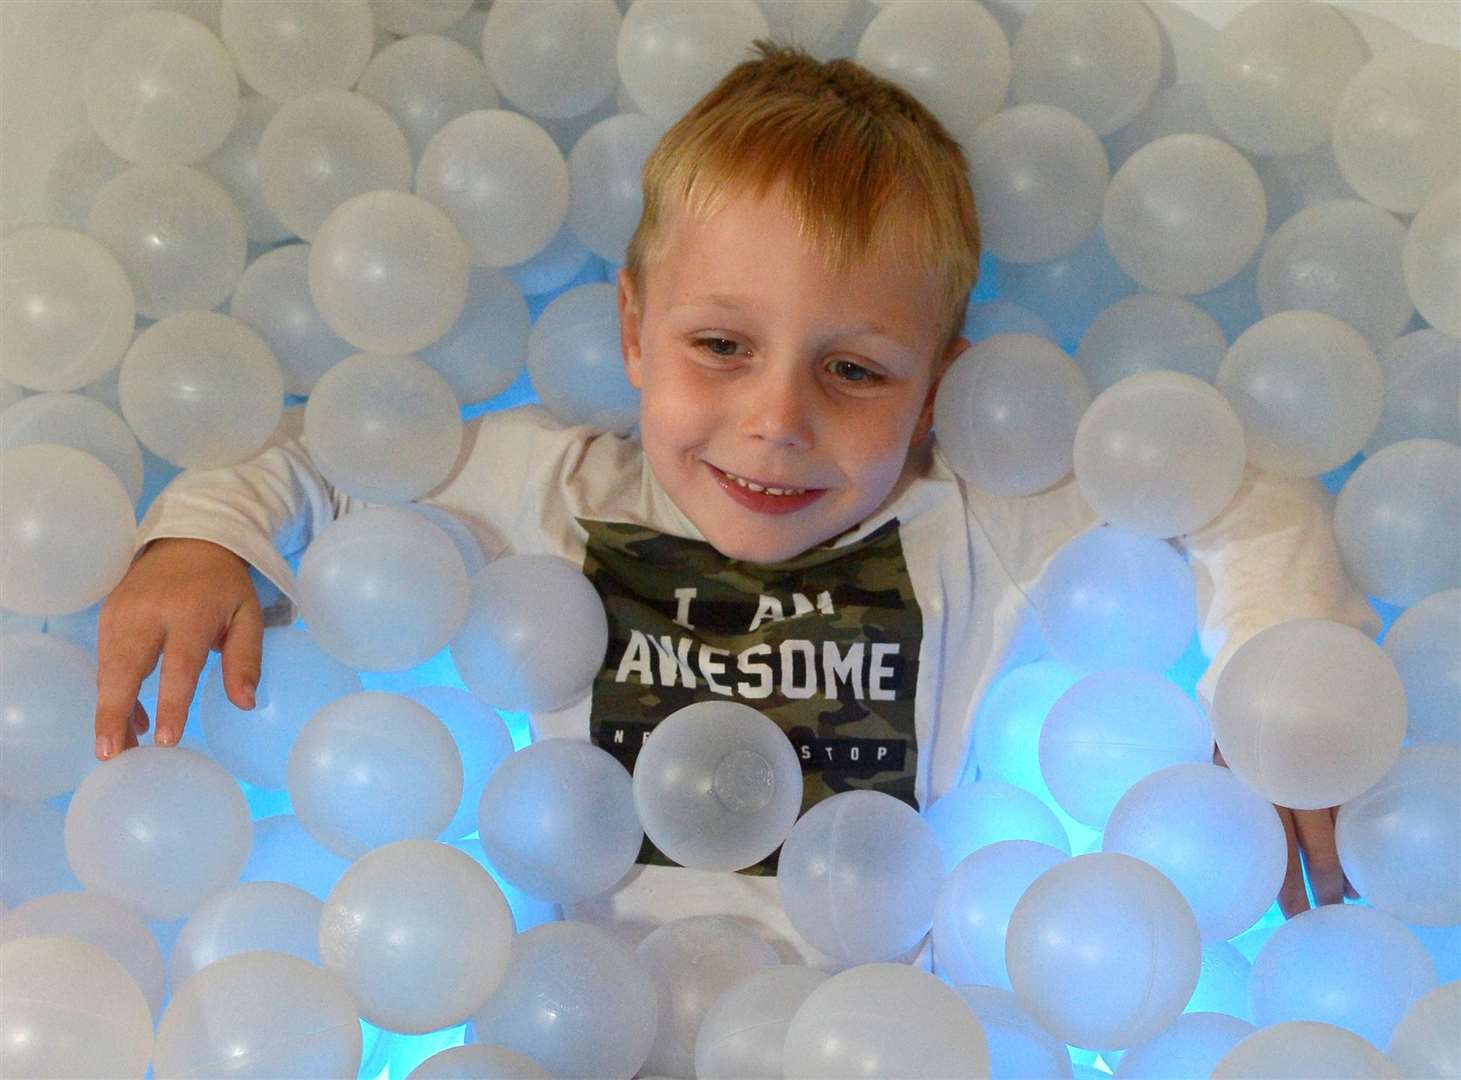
x,y
1018,1046
1007,726
973,816
744,1032
1425,646
1222,987
1194,1043
1306,1048
1424,1042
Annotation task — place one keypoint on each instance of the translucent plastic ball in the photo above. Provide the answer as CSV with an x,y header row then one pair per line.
x,y
66,526
983,812
1159,454
482,739
1178,109
574,1000
66,309
1303,1050
744,1032
1110,598
243,918
604,169
575,361
859,875
1300,181
717,786
383,428
373,768
1068,293
424,81
1424,1042
160,89
418,16
273,299
1277,70
987,318
283,851
671,52
382,589
48,700
287,48
1103,950
201,390
159,828
272,1012
555,59
80,422
1400,842
1308,390
388,272
1432,260
235,165
1007,726
33,852
1150,332
1341,964
76,174
1309,713
973,910
1111,729
70,1010
1398,521
1221,844
954,57
1341,257
1422,390
1006,414
557,820
474,1062
885,1020
1397,126
176,232
420,934
1223,985
1190,1047
1424,644
484,351
534,636
1184,214
1101,62
1018,1046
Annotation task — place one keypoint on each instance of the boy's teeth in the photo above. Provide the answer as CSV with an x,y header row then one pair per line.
x,y
766,490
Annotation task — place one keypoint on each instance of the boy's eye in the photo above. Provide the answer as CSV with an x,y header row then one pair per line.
x,y
855,373
707,344
846,370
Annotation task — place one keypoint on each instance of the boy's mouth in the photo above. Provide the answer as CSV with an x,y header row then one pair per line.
x,y
764,498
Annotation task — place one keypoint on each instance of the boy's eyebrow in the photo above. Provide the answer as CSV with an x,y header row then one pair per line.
x,y
728,300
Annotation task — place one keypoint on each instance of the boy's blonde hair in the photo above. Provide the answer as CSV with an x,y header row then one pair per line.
x,y
870,173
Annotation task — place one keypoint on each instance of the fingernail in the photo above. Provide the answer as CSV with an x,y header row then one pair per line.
x,y
166,738
249,695
106,746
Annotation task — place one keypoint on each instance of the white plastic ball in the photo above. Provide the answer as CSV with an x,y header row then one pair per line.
x,y
80,422
1424,644
982,812
1424,1042
1223,985
48,700
1150,332
604,170
743,1033
1007,725
987,318
575,361
283,851
1068,293
553,59
481,738
1190,1047
418,16
287,48
76,174
1303,180
268,915
1422,390
1431,260
425,81
671,52
1303,1050
474,1062
235,166
484,351
33,852
273,300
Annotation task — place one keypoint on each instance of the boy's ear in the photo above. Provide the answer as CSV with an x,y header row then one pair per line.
x,y
925,418
629,310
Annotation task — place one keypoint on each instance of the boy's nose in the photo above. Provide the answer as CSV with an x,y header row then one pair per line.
x,y
777,410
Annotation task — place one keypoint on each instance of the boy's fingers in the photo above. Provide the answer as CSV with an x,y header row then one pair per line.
x,y
182,660
139,719
1292,899
121,667
1315,829
242,651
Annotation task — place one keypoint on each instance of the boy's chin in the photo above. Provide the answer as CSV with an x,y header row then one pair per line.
x,y
766,548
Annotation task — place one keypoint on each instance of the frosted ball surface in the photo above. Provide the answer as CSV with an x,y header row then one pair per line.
x,y
1150,332
1184,214
604,169
287,48
1069,292
235,165
978,813
424,81
1159,454
373,768
1432,260
1424,1042
66,526
32,852
1018,1046
484,351
555,59
671,52
273,299
488,1062
990,317
76,174
47,701
576,364
418,16
81,423
557,820
420,934
1190,1047
1103,950
859,875
388,272
1007,725
1303,1050
481,738
244,918
717,786
383,428
1309,713
283,851
574,1000
1424,644
744,1032
201,390
66,309
1422,390
159,828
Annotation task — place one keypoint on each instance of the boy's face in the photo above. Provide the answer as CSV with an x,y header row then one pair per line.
x,y
753,359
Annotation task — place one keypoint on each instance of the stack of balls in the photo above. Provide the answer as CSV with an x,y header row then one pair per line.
x,y
404,209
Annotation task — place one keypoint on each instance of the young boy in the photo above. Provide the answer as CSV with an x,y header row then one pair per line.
x,y
784,532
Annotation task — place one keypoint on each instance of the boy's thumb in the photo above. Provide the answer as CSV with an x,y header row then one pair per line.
x,y
242,652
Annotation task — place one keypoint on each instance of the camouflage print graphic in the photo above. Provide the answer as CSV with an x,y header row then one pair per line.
x,y
825,644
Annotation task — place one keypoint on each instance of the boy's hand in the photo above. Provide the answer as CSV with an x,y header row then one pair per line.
x,y
180,599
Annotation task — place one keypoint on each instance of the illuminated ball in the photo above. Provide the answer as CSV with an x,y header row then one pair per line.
x,y
48,700
477,1063
717,786
33,852
972,914
159,828
604,169
81,422
1341,964
575,361
1103,951
201,390
534,636
557,820
983,812
382,588
1400,842
885,1020
1018,1046
859,875
1223,984
1432,260
1422,390
70,1010
1159,454
1424,644
1424,1042
1007,726
244,918
274,1012
235,166
574,1000
291,47
1068,293
1303,1048
484,351
1006,414
671,52
1150,332
1184,214
987,318
273,299
1221,844
1194,1043
419,933
424,81
284,851
66,309
1398,521
482,739
555,59
373,768
1110,598
744,1032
